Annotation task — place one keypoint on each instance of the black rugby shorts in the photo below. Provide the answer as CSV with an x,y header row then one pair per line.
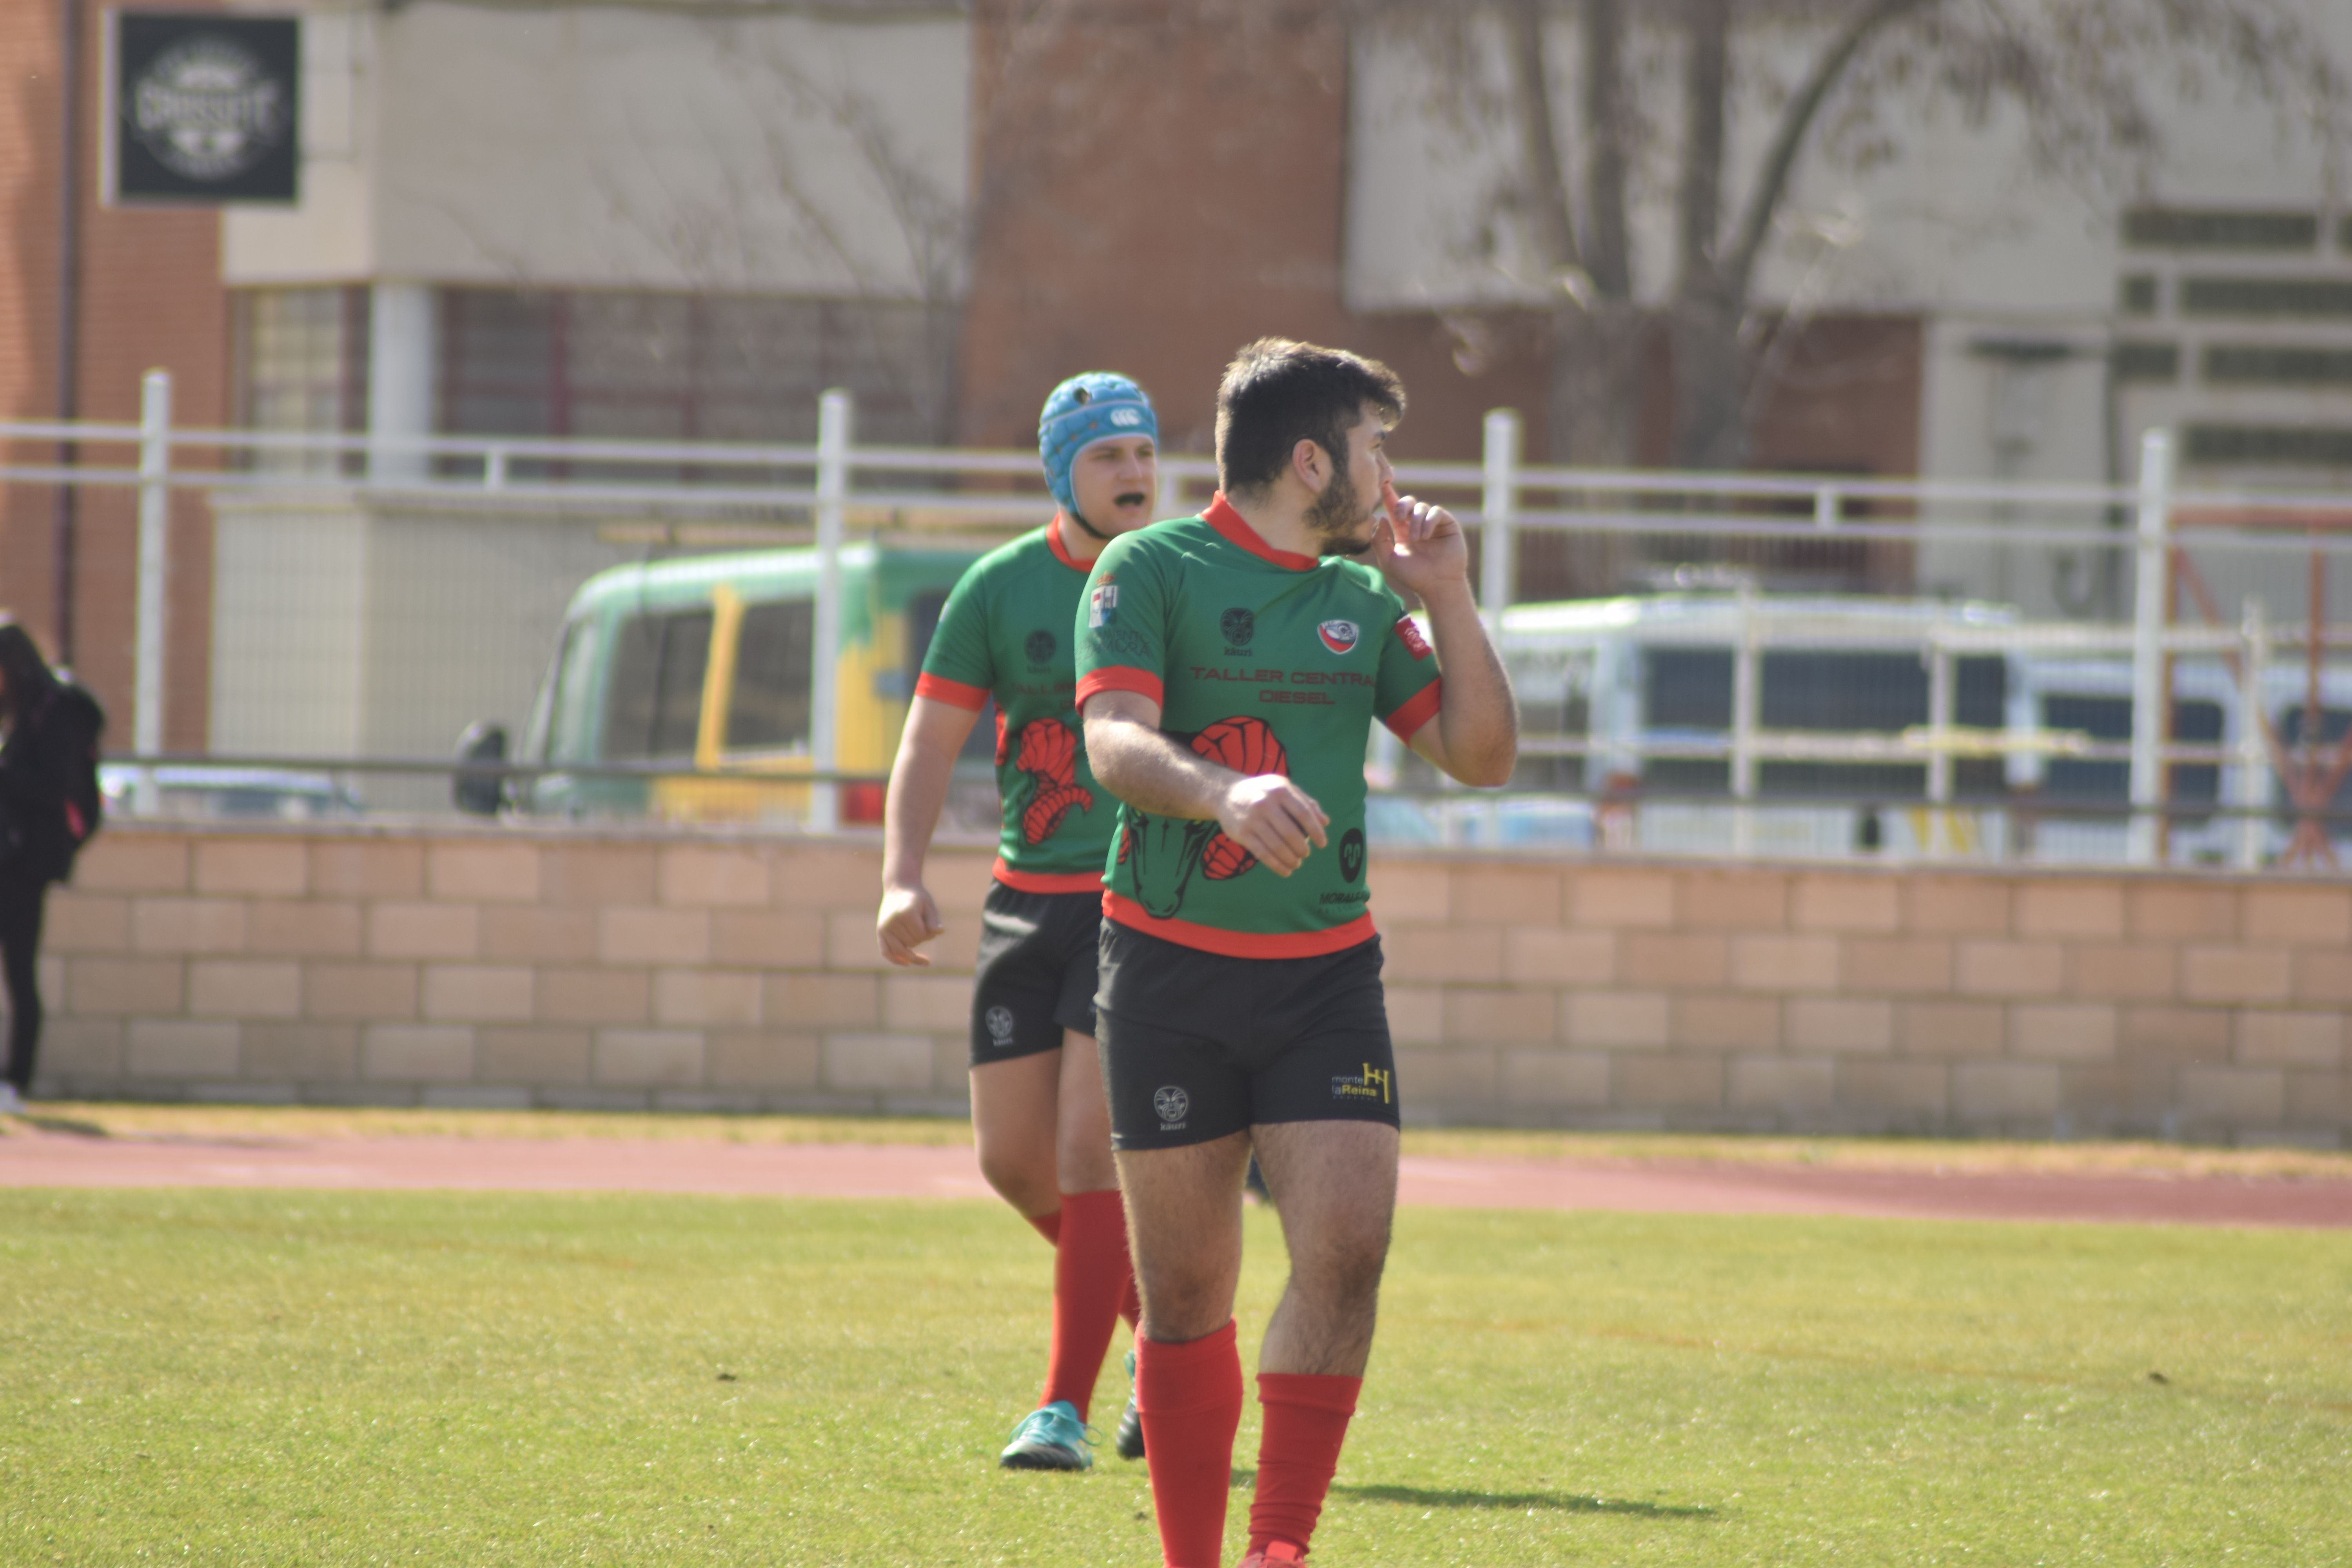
x,y
1036,976
1196,1045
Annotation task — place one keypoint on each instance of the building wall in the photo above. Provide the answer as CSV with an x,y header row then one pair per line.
x,y
577,968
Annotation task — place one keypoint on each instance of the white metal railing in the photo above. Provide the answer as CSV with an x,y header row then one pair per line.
x,y
1500,496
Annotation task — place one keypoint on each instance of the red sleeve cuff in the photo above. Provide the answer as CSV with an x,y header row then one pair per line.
x,y
1119,678
940,689
1418,709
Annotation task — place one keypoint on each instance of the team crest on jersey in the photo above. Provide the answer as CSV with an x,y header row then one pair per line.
x,y
1340,636
1102,605
1239,626
1040,648
1409,633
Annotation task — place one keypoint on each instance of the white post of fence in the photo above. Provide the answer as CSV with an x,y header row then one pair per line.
x,y
2150,700
1500,502
2253,757
1943,691
154,567
833,437
1747,704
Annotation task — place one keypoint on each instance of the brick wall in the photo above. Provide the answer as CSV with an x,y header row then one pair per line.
x,y
563,968
152,297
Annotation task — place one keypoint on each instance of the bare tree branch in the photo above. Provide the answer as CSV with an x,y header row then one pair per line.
x,y
1738,264
1546,183
1609,254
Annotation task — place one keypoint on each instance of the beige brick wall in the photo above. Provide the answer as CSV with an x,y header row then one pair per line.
x,y
561,967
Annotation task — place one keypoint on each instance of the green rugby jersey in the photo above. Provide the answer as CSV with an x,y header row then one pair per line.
x,y
1266,661
1005,633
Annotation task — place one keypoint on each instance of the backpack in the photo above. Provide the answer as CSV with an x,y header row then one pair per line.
x,y
85,802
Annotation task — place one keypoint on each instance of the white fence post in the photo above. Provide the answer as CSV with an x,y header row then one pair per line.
x,y
1943,705
2253,756
833,437
1747,704
155,568
1500,502
2150,700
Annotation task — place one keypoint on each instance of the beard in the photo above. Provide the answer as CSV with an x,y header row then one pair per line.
x,y
1336,514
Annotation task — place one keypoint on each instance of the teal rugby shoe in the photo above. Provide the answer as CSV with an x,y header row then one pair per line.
x,y
1051,1439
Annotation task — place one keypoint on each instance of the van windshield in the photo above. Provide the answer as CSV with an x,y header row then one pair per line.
x,y
653,701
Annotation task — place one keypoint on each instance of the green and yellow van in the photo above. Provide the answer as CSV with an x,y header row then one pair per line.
x,y
707,661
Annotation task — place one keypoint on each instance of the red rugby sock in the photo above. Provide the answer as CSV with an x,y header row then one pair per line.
x,y
1048,1226
1191,1398
1297,1452
1090,1269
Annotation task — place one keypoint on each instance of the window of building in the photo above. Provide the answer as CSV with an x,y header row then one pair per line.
x,y
678,367
2287,446
2183,228
2324,297
2269,364
301,367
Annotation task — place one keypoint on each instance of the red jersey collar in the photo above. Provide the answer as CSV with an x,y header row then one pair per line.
x,y
1221,517
1062,550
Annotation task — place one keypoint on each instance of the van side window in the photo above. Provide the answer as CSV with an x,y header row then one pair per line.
x,y
571,696
770,706
653,703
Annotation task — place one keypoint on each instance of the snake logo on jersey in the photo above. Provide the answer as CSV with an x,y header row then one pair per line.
x,y
1049,761
1165,851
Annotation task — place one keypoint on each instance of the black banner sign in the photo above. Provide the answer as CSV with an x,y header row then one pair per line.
x,y
205,107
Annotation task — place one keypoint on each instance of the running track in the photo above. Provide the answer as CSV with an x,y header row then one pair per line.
x,y
37,1158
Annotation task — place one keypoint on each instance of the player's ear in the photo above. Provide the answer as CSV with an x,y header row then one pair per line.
x,y
1311,464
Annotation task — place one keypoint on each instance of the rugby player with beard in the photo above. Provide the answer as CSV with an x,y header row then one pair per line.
x,y
1230,668
1037,1110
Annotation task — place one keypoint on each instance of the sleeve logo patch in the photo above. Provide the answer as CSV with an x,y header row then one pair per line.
x,y
1102,605
1409,633
1340,636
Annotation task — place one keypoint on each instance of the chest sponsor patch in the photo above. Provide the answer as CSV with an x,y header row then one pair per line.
x,y
1409,633
1102,605
1340,636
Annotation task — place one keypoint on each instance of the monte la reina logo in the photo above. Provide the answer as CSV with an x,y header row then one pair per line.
x,y
208,110
204,108
1340,636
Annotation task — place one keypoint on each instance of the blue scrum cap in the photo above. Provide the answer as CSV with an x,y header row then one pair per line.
x,y
1096,405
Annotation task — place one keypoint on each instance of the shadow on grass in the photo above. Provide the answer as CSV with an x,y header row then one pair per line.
x,y
1567,1502
66,1124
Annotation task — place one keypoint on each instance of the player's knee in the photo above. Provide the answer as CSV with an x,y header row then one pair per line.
x,y
1021,1179
1348,1264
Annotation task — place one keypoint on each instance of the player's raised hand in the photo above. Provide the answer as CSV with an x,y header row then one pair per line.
x,y
1273,819
1419,546
908,918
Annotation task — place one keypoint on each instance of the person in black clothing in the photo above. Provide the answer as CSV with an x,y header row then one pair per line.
x,y
52,739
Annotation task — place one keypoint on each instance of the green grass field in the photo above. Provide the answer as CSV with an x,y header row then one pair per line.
x,y
257,1377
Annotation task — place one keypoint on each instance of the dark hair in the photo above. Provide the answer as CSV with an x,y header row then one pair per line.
x,y
29,677
1277,392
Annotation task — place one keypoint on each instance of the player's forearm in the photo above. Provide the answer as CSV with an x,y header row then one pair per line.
x,y
919,779
1478,723
1149,772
